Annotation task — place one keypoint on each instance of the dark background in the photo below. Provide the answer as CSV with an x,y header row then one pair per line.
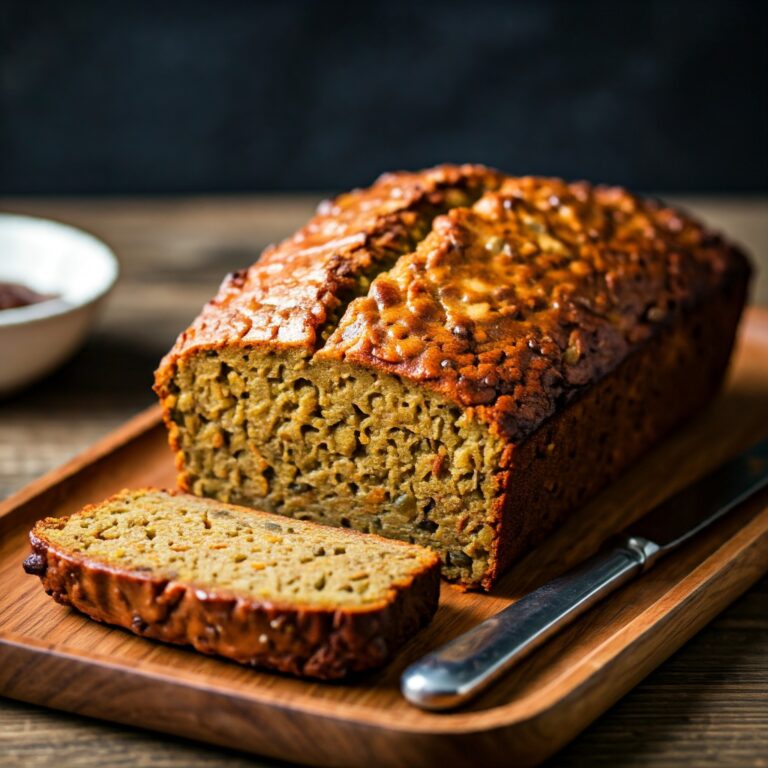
x,y
140,97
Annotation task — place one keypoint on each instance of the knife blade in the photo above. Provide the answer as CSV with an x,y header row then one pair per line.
x,y
461,669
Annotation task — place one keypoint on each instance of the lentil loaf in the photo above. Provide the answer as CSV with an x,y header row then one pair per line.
x,y
262,590
454,357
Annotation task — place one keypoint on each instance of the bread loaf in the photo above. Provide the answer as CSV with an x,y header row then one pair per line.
x,y
262,590
454,357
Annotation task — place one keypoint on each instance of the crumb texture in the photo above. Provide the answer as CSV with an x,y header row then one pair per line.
x,y
339,445
224,549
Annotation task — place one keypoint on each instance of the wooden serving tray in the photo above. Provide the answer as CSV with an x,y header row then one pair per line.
x,y
53,656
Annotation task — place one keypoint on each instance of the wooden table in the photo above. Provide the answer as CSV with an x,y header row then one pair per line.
x,y
707,706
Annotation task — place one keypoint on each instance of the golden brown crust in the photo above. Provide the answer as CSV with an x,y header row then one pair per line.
x,y
296,287
307,641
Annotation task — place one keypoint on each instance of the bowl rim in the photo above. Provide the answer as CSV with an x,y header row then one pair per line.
x,y
51,308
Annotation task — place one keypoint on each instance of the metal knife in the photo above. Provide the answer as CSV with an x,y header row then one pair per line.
x,y
453,674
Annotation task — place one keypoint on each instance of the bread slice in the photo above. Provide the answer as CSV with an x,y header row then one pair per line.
x,y
254,587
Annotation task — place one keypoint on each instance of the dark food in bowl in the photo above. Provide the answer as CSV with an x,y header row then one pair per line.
x,y
14,295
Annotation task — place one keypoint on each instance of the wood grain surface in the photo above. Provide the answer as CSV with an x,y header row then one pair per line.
x,y
707,705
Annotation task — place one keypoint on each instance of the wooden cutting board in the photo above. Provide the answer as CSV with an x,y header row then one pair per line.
x,y
53,656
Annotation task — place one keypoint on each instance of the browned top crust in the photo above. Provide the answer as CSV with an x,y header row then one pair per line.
x,y
296,287
508,306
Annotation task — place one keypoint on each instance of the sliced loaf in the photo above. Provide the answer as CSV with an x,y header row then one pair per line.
x,y
454,358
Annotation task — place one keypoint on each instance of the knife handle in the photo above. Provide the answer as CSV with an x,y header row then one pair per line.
x,y
462,668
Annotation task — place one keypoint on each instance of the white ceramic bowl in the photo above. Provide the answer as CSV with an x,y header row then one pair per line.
x,y
49,258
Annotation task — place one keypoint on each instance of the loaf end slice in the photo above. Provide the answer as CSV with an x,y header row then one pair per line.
x,y
262,590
